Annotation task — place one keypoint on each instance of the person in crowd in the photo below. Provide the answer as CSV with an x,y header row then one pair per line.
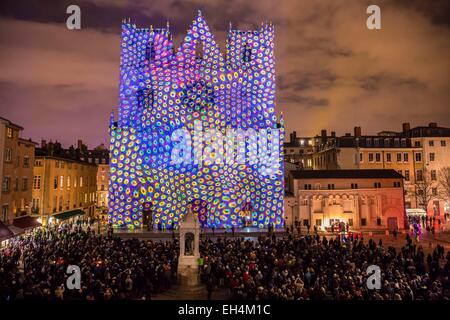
x,y
111,268
310,268
267,268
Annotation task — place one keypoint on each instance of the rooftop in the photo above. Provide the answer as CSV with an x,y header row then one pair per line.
x,y
346,174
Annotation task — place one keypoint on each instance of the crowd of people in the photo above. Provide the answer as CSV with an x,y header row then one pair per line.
x,y
310,267
270,268
35,266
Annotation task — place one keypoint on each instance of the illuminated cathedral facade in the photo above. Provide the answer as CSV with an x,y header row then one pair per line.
x,y
196,89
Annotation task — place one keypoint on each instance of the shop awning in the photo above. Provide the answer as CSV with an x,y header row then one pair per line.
x,y
68,214
5,233
26,222
416,212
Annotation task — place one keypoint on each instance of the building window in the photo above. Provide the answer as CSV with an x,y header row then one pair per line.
x,y
55,183
416,143
6,184
60,205
354,186
26,162
399,157
431,143
37,163
61,182
37,183
396,142
400,172
331,186
307,186
434,191
419,175
388,157
378,221
363,222
68,182
377,185
378,157
433,175
24,184
57,164
418,156
405,157
9,132
443,143
16,184
35,205
360,157
397,184
8,155
407,175
62,164
370,157
318,222
350,222
403,143
81,182
432,156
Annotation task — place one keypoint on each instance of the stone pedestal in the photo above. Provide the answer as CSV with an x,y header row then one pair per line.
x,y
188,274
189,250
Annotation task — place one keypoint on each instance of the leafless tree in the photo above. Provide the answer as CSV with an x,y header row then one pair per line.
x,y
423,190
444,183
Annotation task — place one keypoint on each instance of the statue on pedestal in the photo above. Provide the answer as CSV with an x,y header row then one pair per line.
x,y
189,249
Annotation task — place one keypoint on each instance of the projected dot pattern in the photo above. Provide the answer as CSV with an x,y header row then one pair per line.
x,y
162,90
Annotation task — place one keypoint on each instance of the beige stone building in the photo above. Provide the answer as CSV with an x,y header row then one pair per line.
x,y
16,172
102,185
63,188
298,151
434,142
419,154
363,199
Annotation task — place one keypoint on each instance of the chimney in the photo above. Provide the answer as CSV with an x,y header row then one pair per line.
x,y
406,126
348,134
43,144
80,144
357,131
333,134
323,133
433,125
294,135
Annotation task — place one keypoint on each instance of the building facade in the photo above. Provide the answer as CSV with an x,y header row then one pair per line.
x,y
192,92
363,199
102,186
419,154
16,172
62,186
434,142
299,151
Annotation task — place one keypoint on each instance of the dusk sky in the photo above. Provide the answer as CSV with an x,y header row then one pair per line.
x,y
332,72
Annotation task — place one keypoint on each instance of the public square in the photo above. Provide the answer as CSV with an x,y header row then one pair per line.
x,y
248,265
193,153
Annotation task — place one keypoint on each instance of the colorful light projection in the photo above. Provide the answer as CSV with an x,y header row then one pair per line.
x,y
162,90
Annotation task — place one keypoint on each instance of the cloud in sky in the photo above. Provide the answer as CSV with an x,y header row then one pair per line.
x,y
332,72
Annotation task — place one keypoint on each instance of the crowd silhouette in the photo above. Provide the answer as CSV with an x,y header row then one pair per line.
x,y
269,268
